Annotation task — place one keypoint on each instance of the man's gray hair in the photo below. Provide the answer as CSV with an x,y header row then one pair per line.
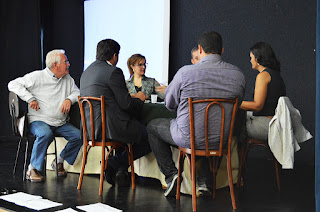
x,y
54,56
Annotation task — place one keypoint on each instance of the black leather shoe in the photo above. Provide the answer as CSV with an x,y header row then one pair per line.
x,y
122,178
110,175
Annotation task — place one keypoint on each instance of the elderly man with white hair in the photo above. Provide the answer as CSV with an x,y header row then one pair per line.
x,y
49,94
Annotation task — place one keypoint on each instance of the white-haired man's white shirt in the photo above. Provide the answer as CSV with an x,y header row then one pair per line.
x,y
49,91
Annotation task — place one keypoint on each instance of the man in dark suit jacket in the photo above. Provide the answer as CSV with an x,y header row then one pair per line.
x,y
102,77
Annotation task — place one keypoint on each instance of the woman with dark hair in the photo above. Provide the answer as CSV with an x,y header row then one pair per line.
x,y
138,81
269,86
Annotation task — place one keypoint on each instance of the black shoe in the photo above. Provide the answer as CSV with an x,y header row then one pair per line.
x,y
204,191
110,175
122,178
172,187
203,188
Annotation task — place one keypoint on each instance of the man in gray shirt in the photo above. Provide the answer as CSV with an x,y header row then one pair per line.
x,y
50,94
209,78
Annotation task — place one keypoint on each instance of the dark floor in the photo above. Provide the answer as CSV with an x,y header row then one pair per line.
x,y
258,194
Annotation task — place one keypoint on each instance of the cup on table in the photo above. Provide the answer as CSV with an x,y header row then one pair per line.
x,y
154,98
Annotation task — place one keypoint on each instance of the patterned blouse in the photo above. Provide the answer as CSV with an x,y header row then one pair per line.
x,y
148,86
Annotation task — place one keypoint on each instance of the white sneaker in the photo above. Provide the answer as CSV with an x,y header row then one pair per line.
x,y
172,187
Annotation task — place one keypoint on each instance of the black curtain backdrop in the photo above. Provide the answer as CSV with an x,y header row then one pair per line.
x,y
29,30
20,48
288,26
63,28
317,139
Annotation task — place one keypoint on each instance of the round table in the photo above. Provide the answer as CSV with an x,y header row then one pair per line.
x,y
155,110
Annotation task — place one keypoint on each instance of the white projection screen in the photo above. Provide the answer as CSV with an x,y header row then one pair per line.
x,y
140,26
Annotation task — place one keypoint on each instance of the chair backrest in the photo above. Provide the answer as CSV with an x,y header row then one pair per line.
x,y
210,103
19,121
88,110
74,115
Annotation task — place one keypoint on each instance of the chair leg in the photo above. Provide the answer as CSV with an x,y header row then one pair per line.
x,y
276,166
45,166
102,169
214,167
17,156
180,170
277,172
233,200
193,178
133,181
243,162
84,160
25,160
240,155
242,158
55,154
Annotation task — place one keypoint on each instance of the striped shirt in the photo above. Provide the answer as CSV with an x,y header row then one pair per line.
x,y
210,78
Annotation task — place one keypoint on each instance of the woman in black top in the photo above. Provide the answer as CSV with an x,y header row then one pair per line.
x,y
269,86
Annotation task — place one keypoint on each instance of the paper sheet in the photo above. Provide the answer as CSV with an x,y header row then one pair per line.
x,y
30,201
98,207
39,204
19,197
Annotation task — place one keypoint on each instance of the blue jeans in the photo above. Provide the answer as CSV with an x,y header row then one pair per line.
x,y
45,133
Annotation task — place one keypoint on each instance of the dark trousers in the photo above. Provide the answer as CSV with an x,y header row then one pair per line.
x,y
160,140
140,149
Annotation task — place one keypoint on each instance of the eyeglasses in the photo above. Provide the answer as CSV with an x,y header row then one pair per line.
x,y
142,64
66,61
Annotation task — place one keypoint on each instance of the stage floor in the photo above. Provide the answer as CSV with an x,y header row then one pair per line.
x,y
258,194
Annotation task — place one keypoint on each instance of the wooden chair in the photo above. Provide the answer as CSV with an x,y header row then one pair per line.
x,y
209,153
250,143
104,142
19,124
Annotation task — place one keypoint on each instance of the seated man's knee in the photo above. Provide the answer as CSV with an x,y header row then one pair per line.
x,y
152,125
44,134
